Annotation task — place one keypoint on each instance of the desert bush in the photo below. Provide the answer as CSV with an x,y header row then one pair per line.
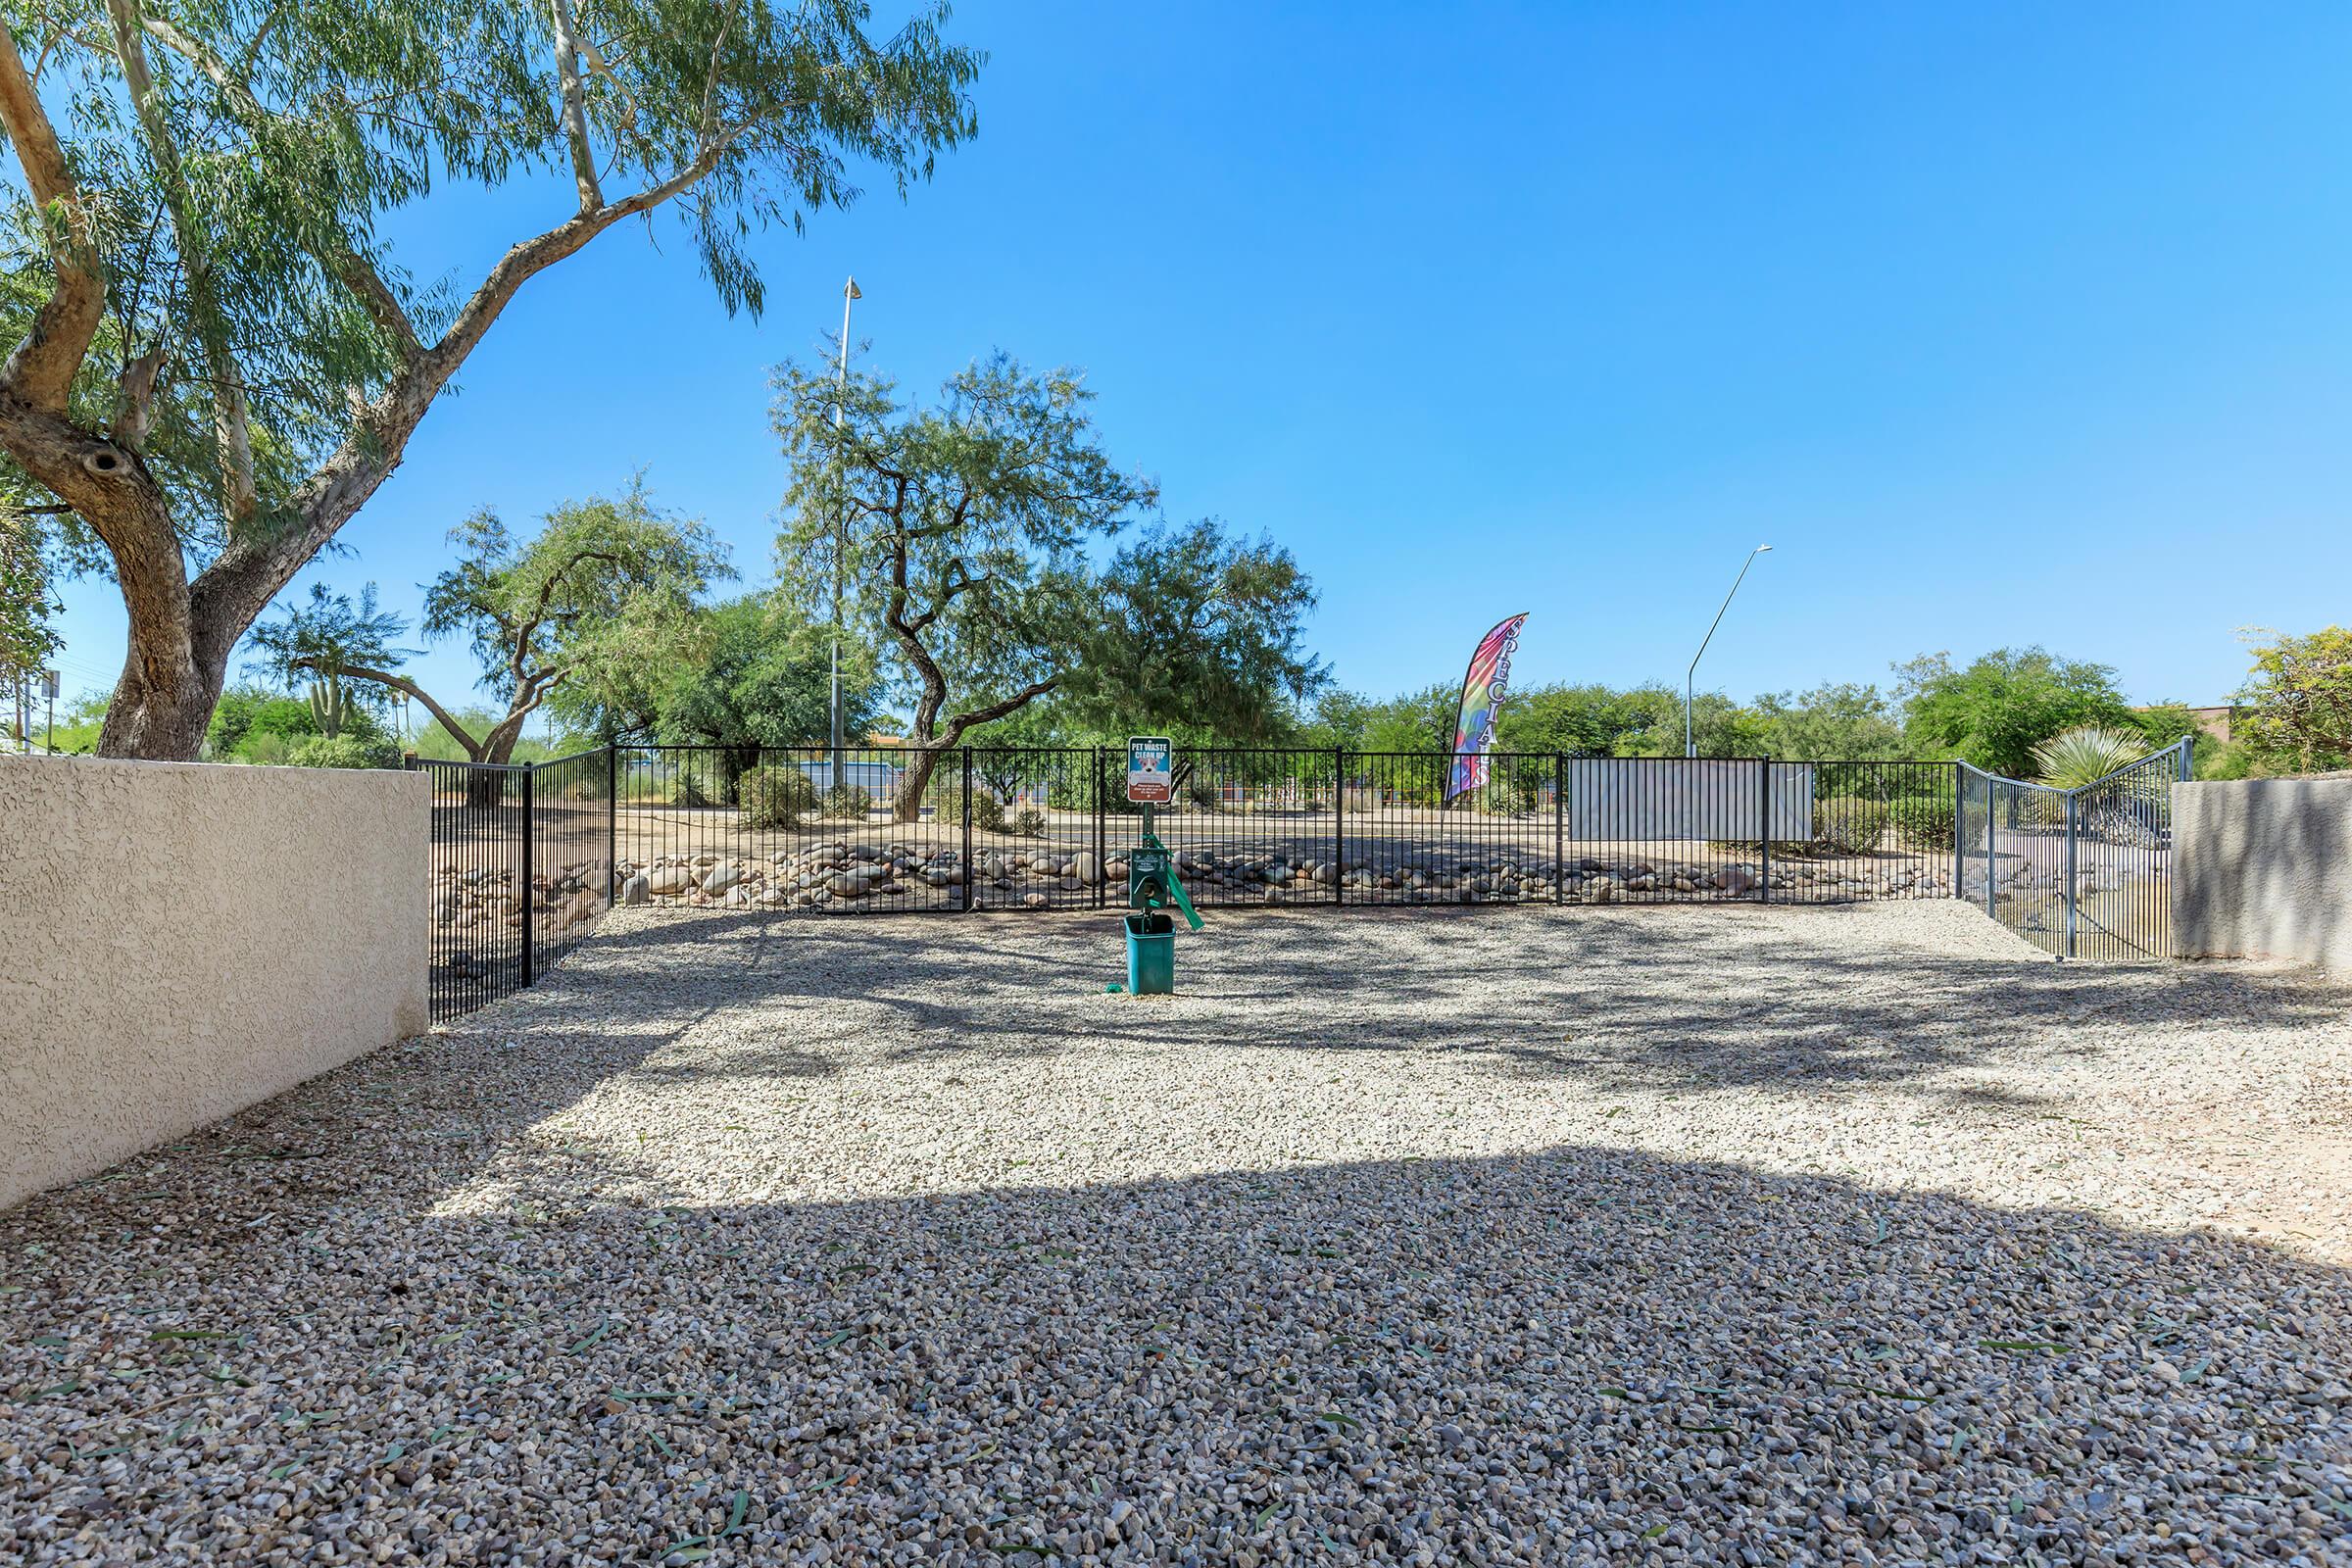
x,y
988,812
1921,825
775,797
1029,822
1849,824
852,800
344,750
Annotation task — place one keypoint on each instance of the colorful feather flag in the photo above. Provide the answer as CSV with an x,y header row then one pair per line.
x,y
1482,693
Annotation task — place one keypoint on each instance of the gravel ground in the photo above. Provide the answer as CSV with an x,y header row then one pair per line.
x,y
1678,1235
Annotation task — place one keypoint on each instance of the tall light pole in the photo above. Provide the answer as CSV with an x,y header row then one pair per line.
x,y
841,524
1691,677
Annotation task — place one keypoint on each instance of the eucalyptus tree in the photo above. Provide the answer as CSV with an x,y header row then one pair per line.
x,y
217,357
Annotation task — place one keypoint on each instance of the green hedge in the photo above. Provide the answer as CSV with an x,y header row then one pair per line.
x,y
345,751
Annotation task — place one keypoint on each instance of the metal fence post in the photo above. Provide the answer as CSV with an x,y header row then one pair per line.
x,y
1764,878
1959,814
2073,888
611,821
1991,816
968,870
1102,833
1560,828
1338,824
530,925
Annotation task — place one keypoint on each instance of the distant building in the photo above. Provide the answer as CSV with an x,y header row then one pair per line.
x,y
2213,721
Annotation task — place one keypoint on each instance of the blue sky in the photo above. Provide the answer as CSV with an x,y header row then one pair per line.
x,y
2002,323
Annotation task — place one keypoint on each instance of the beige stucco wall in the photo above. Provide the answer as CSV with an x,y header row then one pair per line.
x,y
179,940
2261,869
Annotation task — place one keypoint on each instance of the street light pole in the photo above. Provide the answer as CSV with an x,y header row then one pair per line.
x,y
841,526
1691,676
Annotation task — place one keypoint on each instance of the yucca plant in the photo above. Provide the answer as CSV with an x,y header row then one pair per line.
x,y
2085,754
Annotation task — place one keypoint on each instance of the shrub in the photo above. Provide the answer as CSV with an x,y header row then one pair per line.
x,y
2087,754
1922,826
853,801
775,797
1204,793
988,812
1849,824
343,750
1029,822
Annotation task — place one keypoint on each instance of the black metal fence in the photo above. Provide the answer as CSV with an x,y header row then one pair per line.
x,y
521,864
525,860
983,828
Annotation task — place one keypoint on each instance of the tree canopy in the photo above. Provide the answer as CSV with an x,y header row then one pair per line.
x,y
602,598
2299,698
217,357
1196,630
1994,710
959,534
764,679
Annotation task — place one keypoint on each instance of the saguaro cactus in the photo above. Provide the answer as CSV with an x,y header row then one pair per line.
x,y
329,704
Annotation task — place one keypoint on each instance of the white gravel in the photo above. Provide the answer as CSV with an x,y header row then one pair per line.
x,y
1681,1235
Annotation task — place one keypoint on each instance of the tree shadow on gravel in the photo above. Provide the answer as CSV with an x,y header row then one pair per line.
x,y
1579,1350
1631,998
1612,1000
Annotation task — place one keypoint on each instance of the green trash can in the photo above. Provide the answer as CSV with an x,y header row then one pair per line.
x,y
1150,955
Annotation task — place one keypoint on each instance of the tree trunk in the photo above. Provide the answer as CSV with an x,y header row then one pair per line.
x,y
733,762
161,713
486,786
921,763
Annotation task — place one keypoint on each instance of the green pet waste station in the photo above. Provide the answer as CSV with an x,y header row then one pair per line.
x,y
1153,888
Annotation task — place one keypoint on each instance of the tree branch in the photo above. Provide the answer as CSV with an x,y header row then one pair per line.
x,y
575,110
41,368
237,586
596,64
134,399
1020,700
232,428
530,627
353,269
400,683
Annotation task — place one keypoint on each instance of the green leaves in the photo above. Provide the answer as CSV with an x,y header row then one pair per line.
x,y
2087,754
1994,712
236,317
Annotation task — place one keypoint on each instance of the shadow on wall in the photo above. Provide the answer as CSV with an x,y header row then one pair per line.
x,y
2263,868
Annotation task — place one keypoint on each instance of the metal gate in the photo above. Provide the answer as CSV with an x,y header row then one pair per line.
x,y
2080,873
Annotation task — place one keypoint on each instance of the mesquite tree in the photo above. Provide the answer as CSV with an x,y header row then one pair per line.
x,y
2300,700
217,360
600,598
960,533
325,639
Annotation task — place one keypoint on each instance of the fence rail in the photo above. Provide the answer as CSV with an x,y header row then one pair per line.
x,y
2080,873
527,860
